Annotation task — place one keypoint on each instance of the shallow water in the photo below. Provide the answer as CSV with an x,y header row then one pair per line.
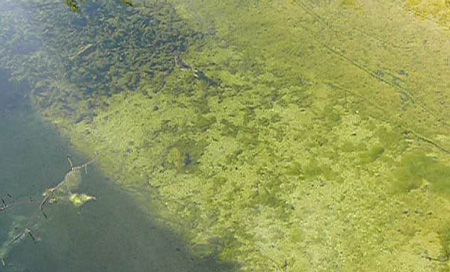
x,y
110,234
280,135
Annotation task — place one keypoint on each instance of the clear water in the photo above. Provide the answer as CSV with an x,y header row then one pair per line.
x,y
279,135
110,234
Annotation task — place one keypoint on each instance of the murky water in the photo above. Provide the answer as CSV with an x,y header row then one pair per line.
x,y
110,234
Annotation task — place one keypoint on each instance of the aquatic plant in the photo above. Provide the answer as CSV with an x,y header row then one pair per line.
x,y
24,226
75,4
284,135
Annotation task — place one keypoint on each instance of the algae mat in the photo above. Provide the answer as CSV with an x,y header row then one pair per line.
x,y
283,135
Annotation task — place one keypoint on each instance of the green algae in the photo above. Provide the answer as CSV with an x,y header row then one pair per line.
x,y
373,154
296,150
418,168
435,10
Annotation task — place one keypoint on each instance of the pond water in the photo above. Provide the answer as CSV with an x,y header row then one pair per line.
x,y
278,135
110,234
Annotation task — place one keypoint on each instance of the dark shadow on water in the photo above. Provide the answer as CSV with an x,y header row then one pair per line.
x,y
111,234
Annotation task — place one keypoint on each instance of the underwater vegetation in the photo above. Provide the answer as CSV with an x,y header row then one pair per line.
x,y
418,168
283,135
436,10
131,53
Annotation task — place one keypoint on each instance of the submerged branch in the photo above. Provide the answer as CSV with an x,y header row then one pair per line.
x,y
28,231
31,224
52,190
9,206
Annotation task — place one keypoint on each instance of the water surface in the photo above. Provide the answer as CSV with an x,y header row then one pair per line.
x,y
110,234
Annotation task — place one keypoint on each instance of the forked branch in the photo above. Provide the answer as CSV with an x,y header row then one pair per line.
x,y
70,179
52,190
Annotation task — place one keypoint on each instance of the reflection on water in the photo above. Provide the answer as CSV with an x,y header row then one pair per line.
x,y
111,234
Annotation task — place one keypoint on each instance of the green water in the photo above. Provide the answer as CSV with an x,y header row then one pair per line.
x,y
110,234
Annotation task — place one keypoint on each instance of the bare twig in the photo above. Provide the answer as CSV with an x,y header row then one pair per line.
x,y
66,178
9,206
17,237
70,162
28,231
29,226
